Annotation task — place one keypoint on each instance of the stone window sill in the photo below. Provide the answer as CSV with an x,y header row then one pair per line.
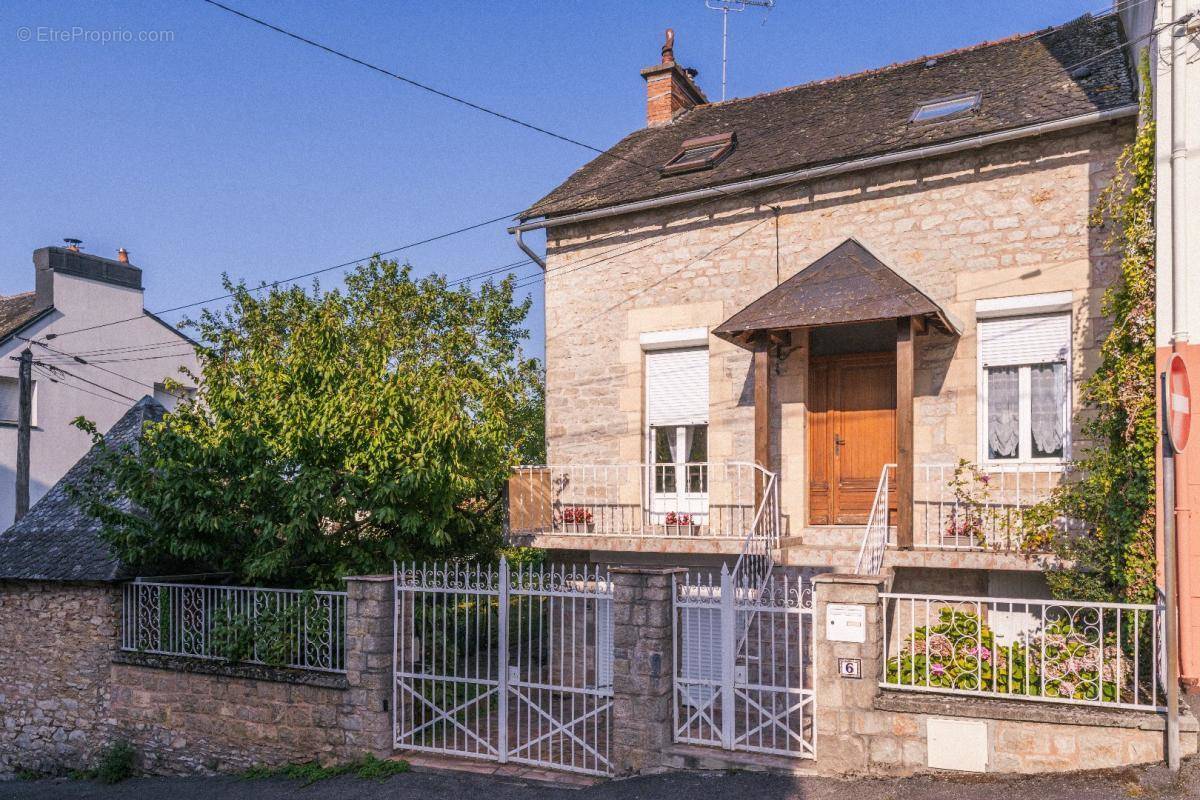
x,y
255,672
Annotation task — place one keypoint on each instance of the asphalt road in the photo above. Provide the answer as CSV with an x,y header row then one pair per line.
x,y
1149,783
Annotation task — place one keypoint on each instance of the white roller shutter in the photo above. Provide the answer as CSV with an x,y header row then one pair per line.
x,y
1025,340
677,386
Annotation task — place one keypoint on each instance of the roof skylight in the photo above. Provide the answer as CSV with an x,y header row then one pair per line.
x,y
703,152
938,109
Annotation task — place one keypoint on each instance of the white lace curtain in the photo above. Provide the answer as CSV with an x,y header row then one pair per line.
x,y
1004,412
1048,399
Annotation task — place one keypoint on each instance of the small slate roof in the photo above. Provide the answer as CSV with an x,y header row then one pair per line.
x,y
17,311
847,284
1021,81
58,540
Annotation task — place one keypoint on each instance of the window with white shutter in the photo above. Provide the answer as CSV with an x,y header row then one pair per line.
x,y
1024,388
677,387
677,431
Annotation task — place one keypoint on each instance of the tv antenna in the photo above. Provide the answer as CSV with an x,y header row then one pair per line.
x,y
725,6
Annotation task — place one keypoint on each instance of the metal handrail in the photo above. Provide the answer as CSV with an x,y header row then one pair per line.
x,y
877,542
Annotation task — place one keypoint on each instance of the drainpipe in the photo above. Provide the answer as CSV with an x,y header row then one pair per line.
x,y
1179,154
527,250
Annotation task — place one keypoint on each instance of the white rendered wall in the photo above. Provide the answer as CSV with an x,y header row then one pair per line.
x,y
55,445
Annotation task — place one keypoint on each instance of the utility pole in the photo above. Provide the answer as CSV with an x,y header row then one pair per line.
x,y
725,6
24,422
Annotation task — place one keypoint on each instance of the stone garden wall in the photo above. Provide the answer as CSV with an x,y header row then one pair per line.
x,y
56,648
67,691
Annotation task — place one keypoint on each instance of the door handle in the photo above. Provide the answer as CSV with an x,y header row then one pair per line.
x,y
838,441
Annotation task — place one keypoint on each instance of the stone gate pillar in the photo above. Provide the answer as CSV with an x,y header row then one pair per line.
x,y
643,667
844,698
370,615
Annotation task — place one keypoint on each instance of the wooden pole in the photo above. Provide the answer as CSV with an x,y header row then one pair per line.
x,y
24,423
762,412
904,433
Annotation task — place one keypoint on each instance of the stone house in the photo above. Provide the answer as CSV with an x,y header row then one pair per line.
x,y
799,313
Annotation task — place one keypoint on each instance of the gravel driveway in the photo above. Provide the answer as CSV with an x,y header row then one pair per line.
x,y
1154,782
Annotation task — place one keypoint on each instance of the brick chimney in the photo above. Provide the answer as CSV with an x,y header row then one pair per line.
x,y
670,88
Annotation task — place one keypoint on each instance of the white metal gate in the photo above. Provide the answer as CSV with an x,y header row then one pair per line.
x,y
505,663
743,664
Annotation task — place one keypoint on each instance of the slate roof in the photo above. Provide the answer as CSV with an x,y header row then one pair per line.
x,y
57,540
847,284
17,311
1022,80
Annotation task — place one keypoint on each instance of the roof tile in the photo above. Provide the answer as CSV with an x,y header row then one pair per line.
x,y
58,540
1022,80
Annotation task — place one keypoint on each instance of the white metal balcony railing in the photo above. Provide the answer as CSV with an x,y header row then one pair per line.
x,y
969,507
959,507
705,500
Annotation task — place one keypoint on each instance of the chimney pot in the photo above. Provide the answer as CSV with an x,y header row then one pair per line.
x,y
123,256
670,88
73,244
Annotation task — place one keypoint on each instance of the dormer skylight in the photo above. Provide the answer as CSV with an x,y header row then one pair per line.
x,y
703,152
945,107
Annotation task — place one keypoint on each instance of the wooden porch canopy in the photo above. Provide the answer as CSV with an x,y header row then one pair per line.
x,y
846,285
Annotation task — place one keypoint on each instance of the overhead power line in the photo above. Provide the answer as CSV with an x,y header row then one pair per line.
x,y
414,83
84,361
57,369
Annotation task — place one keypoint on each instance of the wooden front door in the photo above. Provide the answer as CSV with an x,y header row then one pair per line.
x,y
851,434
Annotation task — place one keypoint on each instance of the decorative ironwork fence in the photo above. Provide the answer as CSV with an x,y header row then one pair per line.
x,y
1042,650
743,664
276,627
505,663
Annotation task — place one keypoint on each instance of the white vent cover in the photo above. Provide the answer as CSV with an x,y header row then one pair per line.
x,y
677,386
1025,340
957,744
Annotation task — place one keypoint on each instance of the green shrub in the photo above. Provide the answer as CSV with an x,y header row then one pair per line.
x,y
116,762
368,767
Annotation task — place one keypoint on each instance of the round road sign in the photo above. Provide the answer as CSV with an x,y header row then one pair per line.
x,y
1179,403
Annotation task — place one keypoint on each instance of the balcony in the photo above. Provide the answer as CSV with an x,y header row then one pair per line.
x,y
961,516
695,507
960,509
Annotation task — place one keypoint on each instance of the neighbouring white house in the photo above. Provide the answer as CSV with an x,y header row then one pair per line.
x,y
96,351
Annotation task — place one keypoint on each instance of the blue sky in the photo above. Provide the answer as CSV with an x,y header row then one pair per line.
x,y
232,148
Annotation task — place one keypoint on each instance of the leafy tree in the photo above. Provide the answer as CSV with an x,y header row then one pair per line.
x,y
1115,496
334,432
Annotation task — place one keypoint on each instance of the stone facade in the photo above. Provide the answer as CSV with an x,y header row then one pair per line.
x,y
67,691
1007,220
